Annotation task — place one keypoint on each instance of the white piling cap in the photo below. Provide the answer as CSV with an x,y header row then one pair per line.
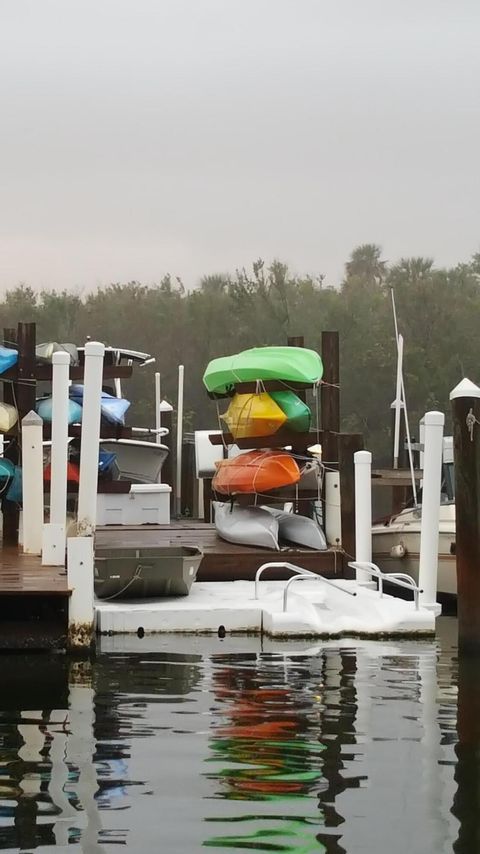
x,y
31,419
94,348
61,357
363,458
434,419
465,388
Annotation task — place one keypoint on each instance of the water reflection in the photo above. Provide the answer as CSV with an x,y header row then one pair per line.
x,y
180,744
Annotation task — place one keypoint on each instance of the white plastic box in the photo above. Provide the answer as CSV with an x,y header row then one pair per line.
x,y
145,504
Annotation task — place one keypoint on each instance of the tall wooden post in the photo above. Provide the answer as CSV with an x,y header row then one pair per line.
x,y
348,444
297,341
9,509
467,749
466,443
25,388
330,396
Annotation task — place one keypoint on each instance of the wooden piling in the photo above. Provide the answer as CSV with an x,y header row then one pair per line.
x,y
330,396
466,442
348,444
9,509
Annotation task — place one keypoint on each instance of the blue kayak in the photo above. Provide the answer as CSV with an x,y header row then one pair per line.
x,y
113,408
8,358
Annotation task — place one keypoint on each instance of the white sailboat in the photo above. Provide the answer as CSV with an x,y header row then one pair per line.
x,y
396,542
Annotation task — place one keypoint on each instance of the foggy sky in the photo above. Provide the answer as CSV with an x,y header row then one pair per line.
x,y
139,137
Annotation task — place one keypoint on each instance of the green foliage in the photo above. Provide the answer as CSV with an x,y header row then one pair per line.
x,y
438,312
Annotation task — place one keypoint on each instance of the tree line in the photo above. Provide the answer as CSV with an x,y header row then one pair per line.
x,y
438,311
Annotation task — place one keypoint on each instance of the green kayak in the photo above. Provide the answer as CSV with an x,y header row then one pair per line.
x,y
290,364
298,413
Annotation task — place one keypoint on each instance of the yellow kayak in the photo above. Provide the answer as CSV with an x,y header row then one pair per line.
x,y
252,415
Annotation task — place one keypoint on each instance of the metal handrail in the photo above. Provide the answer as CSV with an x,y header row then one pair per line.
x,y
401,579
316,578
281,564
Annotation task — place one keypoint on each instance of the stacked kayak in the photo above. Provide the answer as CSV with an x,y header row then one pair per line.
x,y
253,415
44,407
267,405
113,409
8,417
255,472
8,358
285,364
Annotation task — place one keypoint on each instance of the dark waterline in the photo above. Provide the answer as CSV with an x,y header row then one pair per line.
x,y
186,744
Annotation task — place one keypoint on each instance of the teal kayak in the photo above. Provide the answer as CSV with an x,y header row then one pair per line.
x,y
44,408
287,364
298,414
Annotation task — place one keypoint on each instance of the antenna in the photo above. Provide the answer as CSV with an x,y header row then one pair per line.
x,y
401,400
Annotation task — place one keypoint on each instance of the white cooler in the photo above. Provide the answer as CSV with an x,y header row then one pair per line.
x,y
145,504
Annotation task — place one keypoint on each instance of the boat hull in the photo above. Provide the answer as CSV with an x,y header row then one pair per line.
x,y
396,547
246,526
137,461
131,573
298,529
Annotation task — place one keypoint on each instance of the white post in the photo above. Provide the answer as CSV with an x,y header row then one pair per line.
x,y
53,551
158,415
333,509
178,490
363,513
87,491
32,483
80,573
432,481
398,402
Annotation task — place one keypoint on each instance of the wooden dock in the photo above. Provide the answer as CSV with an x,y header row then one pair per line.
x,y
33,602
34,598
222,561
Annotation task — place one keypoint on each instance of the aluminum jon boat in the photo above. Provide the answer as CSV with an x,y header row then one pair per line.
x,y
148,572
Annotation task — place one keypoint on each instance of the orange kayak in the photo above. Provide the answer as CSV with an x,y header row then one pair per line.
x,y
255,471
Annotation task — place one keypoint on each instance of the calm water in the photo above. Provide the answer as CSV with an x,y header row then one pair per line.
x,y
182,745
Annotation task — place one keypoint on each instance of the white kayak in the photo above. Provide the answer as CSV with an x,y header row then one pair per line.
x,y
246,526
8,417
297,529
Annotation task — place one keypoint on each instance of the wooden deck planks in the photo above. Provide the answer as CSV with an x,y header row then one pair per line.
x,y
222,561
24,575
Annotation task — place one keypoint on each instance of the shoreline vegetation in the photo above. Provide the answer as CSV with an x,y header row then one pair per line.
x,y
438,311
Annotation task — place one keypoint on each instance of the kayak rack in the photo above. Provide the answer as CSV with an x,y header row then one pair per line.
x,y
400,579
301,574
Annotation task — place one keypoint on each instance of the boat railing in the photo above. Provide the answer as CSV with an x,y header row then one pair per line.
x,y
300,574
399,579
313,578
151,431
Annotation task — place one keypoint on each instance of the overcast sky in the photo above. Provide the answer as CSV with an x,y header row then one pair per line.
x,y
139,137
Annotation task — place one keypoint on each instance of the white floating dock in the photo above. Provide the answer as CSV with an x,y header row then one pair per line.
x,y
313,610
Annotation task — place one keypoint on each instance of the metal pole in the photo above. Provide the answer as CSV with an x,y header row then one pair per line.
x,y
363,513
178,491
398,402
432,482
32,483
158,415
87,491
